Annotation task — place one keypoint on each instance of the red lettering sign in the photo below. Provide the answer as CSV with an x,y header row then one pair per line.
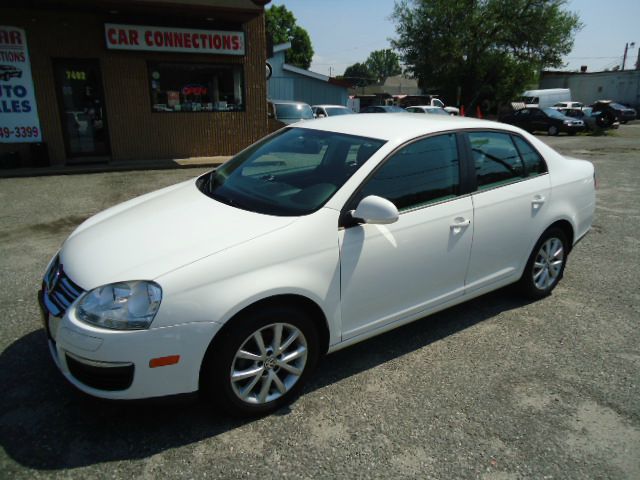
x,y
169,39
194,90
10,37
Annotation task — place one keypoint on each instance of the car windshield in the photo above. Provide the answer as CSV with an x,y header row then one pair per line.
x,y
294,111
618,106
331,111
293,172
553,113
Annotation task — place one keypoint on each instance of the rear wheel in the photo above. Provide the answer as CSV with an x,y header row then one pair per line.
x,y
261,361
546,264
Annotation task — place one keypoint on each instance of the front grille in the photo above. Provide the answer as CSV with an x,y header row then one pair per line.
x,y
111,378
58,290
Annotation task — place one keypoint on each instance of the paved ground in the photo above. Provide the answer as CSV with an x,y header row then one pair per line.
x,y
494,389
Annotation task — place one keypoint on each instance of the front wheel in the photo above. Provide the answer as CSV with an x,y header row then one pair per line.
x,y
553,131
546,264
261,361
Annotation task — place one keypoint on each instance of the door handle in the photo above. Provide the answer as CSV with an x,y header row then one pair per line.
x,y
538,201
459,223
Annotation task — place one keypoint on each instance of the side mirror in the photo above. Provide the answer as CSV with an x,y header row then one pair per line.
x,y
321,115
376,210
270,115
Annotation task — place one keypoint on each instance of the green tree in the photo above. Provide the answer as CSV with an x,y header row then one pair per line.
x,y
282,27
383,63
358,74
483,49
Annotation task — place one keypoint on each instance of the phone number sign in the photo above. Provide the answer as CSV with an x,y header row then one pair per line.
x,y
19,122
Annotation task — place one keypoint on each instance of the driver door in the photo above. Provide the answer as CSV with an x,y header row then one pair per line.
x,y
389,272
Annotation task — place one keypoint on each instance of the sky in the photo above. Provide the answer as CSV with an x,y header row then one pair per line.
x,y
344,32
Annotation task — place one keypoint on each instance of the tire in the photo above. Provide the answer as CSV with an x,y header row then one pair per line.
x,y
553,131
272,373
541,274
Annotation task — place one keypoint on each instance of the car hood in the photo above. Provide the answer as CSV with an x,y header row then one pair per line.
x,y
154,234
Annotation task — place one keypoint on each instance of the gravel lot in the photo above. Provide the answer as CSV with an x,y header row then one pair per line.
x,y
497,388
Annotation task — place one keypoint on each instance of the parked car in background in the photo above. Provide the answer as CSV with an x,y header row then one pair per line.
x,y
382,109
436,102
592,120
406,101
623,113
289,112
321,111
544,119
427,109
570,105
317,237
545,97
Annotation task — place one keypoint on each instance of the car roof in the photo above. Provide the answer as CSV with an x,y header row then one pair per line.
x,y
330,106
398,126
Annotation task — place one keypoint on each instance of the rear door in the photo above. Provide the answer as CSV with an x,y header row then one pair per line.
x,y
510,206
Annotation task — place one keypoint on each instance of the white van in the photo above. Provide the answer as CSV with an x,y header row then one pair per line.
x,y
547,97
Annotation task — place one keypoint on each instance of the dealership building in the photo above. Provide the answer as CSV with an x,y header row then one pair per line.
x,y
86,81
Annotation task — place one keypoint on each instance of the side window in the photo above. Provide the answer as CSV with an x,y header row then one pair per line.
x,y
496,159
533,162
438,103
423,172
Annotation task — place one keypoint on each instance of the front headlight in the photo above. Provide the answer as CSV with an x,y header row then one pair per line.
x,y
567,122
121,306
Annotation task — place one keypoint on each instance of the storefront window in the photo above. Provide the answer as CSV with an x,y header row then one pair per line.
x,y
185,87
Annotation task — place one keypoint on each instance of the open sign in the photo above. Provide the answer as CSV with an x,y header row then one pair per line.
x,y
194,90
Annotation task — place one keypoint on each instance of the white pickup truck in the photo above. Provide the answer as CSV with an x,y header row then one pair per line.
x,y
436,102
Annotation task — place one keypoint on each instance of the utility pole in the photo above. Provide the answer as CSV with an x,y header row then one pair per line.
x,y
626,47
638,61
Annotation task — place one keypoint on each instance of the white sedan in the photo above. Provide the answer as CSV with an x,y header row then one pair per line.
x,y
317,237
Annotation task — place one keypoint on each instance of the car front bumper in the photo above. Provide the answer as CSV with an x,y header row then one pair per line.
x,y
116,364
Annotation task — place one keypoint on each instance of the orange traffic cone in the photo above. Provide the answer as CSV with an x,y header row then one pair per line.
x,y
478,112
462,110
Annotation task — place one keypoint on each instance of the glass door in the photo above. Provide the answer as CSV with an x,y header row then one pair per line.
x,y
81,98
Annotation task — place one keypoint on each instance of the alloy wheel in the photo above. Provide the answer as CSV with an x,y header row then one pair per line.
x,y
268,363
548,263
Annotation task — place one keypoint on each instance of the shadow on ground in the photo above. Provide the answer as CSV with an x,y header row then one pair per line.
x,y
47,424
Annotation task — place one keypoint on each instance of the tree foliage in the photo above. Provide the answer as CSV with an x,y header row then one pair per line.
x,y
358,74
376,68
490,49
282,27
383,63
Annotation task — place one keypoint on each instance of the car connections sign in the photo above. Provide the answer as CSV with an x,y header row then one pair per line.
x,y
169,39
19,121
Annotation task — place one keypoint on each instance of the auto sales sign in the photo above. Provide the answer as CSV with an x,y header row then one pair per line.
x,y
19,121
169,39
